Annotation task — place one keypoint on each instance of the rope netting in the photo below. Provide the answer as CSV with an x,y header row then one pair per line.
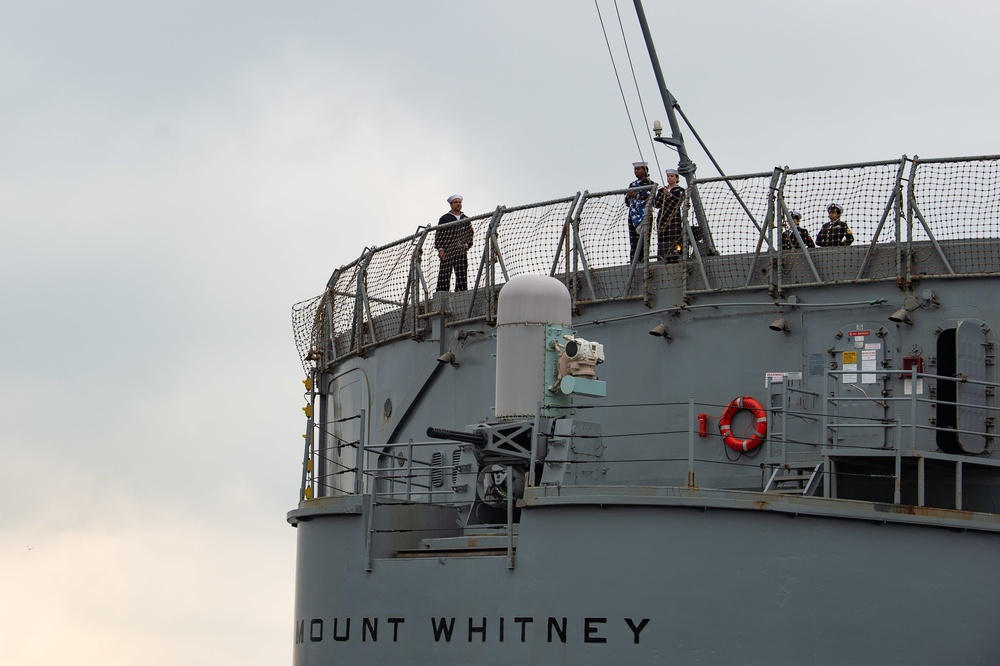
x,y
862,192
957,199
529,237
603,230
867,196
935,212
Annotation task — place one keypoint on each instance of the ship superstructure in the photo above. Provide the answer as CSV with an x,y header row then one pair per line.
x,y
752,454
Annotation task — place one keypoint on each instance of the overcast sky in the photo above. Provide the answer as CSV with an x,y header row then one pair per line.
x,y
175,175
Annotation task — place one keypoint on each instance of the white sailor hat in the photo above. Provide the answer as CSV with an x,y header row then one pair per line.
x,y
636,165
835,206
456,196
672,172
796,214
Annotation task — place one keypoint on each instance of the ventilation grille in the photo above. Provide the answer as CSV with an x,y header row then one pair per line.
x,y
437,472
456,457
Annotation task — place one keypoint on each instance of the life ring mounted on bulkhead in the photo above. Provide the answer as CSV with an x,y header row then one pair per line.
x,y
760,427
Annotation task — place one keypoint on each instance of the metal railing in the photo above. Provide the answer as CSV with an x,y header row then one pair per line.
x,y
909,217
900,425
403,476
408,471
420,473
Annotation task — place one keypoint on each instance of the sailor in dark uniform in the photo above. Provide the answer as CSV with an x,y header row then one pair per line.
x,y
835,232
788,241
636,202
668,222
452,243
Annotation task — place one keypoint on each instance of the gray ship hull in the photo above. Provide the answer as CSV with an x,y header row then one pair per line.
x,y
659,575
754,454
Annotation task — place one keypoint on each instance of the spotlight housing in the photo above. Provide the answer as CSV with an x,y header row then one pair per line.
x,y
660,331
901,316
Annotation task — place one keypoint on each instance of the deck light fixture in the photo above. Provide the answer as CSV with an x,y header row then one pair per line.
x,y
779,324
447,357
901,316
660,331
926,299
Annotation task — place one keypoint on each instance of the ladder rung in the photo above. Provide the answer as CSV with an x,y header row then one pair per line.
x,y
793,477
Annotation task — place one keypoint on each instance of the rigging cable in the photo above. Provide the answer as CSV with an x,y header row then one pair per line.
x,y
635,81
618,78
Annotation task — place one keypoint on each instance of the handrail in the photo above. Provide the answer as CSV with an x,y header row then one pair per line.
x,y
406,474
949,204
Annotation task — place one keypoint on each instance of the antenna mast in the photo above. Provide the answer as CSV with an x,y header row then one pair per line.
x,y
685,166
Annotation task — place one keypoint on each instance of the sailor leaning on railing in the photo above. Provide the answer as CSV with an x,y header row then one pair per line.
x,y
636,202
835,232
452,243
668,200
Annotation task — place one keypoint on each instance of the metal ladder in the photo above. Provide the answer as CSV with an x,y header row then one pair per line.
x,y
802,478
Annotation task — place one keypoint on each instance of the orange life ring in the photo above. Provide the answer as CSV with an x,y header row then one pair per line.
x,y
759,432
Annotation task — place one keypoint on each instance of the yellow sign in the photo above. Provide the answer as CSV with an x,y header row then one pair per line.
x,y
850,357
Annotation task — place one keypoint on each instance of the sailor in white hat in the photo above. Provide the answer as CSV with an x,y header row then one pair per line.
x,y
788,240
451,244
668,223
835,232
636,202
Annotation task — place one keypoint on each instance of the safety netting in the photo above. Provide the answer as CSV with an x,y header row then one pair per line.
x,y
898,220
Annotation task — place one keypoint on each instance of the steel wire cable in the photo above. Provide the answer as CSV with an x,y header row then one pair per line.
x,y
617,77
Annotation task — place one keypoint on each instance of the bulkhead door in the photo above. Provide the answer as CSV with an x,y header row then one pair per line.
x,y
858,417
964,352
339,437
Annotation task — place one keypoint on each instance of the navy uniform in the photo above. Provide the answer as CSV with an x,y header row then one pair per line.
x,y
669,227
452,243
835,232
636,202
788,241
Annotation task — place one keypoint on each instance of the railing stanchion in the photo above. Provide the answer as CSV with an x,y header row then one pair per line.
x,y
359,474
370,530
510,517
691,420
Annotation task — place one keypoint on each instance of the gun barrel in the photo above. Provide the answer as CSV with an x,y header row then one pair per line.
x,y
477,437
